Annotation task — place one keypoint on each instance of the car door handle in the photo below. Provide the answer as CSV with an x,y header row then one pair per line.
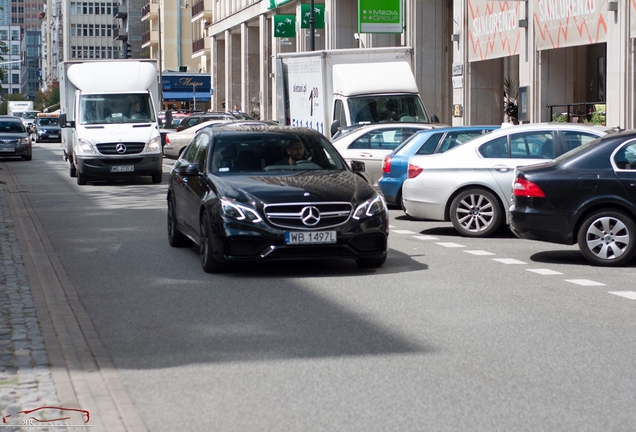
x,y
502,168
362,154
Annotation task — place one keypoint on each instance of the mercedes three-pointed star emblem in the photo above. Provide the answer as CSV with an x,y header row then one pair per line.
x,y
310,215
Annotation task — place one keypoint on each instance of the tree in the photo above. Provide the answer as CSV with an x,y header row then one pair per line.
x,y
49,98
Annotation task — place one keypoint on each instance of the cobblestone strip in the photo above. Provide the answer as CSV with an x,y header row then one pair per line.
x,y
25,375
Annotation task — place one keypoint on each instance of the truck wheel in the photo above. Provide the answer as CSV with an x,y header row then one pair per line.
x,y
71,170
81,179
156,177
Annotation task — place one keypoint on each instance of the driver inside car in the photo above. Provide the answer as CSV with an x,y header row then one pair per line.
x,y
295,153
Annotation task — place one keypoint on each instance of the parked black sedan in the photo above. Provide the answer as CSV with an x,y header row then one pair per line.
x,y
251,194
15,140
587,196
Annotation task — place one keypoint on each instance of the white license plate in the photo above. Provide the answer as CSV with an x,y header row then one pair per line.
x,y
54,136
122,168
7,149
315,237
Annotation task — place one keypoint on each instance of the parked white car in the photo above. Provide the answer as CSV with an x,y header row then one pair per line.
x,y
177,141
370,143
471,185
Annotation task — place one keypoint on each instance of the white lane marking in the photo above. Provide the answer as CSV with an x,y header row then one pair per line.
x,y
479,252
584,282
627,294
508,261
545,272
450,245
403,232
425,237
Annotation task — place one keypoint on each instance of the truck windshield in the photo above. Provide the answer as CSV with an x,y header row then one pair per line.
x,y
116,108
387,108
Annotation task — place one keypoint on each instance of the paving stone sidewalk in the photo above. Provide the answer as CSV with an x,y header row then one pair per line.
x,y
25,375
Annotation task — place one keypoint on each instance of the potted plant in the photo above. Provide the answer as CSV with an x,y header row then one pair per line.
x,y
511,93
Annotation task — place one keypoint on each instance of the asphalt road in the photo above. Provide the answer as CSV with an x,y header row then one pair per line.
x,y
451,334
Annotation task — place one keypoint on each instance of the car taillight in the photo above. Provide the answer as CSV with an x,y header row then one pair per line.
x,y
167,140
386,164
414,171
525,188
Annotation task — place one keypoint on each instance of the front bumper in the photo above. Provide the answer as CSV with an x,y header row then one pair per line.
x,y
16,150
241,242
100,166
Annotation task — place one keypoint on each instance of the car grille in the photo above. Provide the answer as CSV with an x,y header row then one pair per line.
x,y
9,141
111,148
291,215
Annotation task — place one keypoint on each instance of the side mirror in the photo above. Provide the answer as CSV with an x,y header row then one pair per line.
x,y
358,167
434,119
62,120
192,170
334,127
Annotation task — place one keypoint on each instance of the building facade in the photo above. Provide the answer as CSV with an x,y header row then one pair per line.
x,y
561,58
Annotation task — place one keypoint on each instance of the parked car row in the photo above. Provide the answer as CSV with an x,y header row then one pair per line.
x,y
266,192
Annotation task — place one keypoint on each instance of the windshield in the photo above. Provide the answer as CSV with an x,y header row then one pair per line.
x,y
387,108
29,114
258,152
116,108
47,121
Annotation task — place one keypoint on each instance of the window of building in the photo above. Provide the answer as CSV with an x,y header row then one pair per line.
x,y
15,78
85,8
73,29
91,30
73,8
15,35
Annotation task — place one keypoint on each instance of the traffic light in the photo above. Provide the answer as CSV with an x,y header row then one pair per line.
x,y
125,50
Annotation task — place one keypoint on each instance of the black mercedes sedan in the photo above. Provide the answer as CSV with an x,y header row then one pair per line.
x,y
587,196
257,193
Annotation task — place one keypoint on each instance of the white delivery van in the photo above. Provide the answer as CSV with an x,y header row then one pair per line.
x,y
325,90
108,119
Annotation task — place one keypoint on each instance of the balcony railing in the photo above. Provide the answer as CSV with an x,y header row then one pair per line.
x,y
199,44
119,13
120,34
577,112
198,7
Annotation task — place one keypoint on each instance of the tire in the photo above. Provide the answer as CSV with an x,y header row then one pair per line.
x,y
206,247
81,179
71,170
476,213
371,262
175,237
157,177
27,158
608,238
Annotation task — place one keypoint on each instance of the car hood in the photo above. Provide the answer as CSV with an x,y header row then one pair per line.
x,y
305,186
12,136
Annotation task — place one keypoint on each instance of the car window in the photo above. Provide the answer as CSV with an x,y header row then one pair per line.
x,y
453,139
202,144
385,139
429,146
574,139
496,148
527,145
625,158
250,152
191,150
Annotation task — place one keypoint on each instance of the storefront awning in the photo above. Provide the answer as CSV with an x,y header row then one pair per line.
x,y
185,96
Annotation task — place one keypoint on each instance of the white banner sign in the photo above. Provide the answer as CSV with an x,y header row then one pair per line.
x,y
493,29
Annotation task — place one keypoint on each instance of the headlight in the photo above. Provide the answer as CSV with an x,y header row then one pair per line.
x,y
25,141
154,145
371,207
86,146
233,210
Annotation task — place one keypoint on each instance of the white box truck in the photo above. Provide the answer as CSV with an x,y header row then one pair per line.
x,y
16,108
325,90
108,118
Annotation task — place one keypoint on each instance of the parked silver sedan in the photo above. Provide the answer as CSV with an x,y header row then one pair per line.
x,y
370,143
471,185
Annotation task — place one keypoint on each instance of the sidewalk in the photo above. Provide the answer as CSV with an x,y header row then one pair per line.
x,y
50,353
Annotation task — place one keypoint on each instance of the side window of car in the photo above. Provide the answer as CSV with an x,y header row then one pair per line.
x,y
625,158
453,139
429,146
190,152
532,145
387,139
496,148
364,142
203,141
574,139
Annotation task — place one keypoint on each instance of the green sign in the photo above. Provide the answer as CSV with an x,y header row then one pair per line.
x,y
285,26
380,16
273,4
319,16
